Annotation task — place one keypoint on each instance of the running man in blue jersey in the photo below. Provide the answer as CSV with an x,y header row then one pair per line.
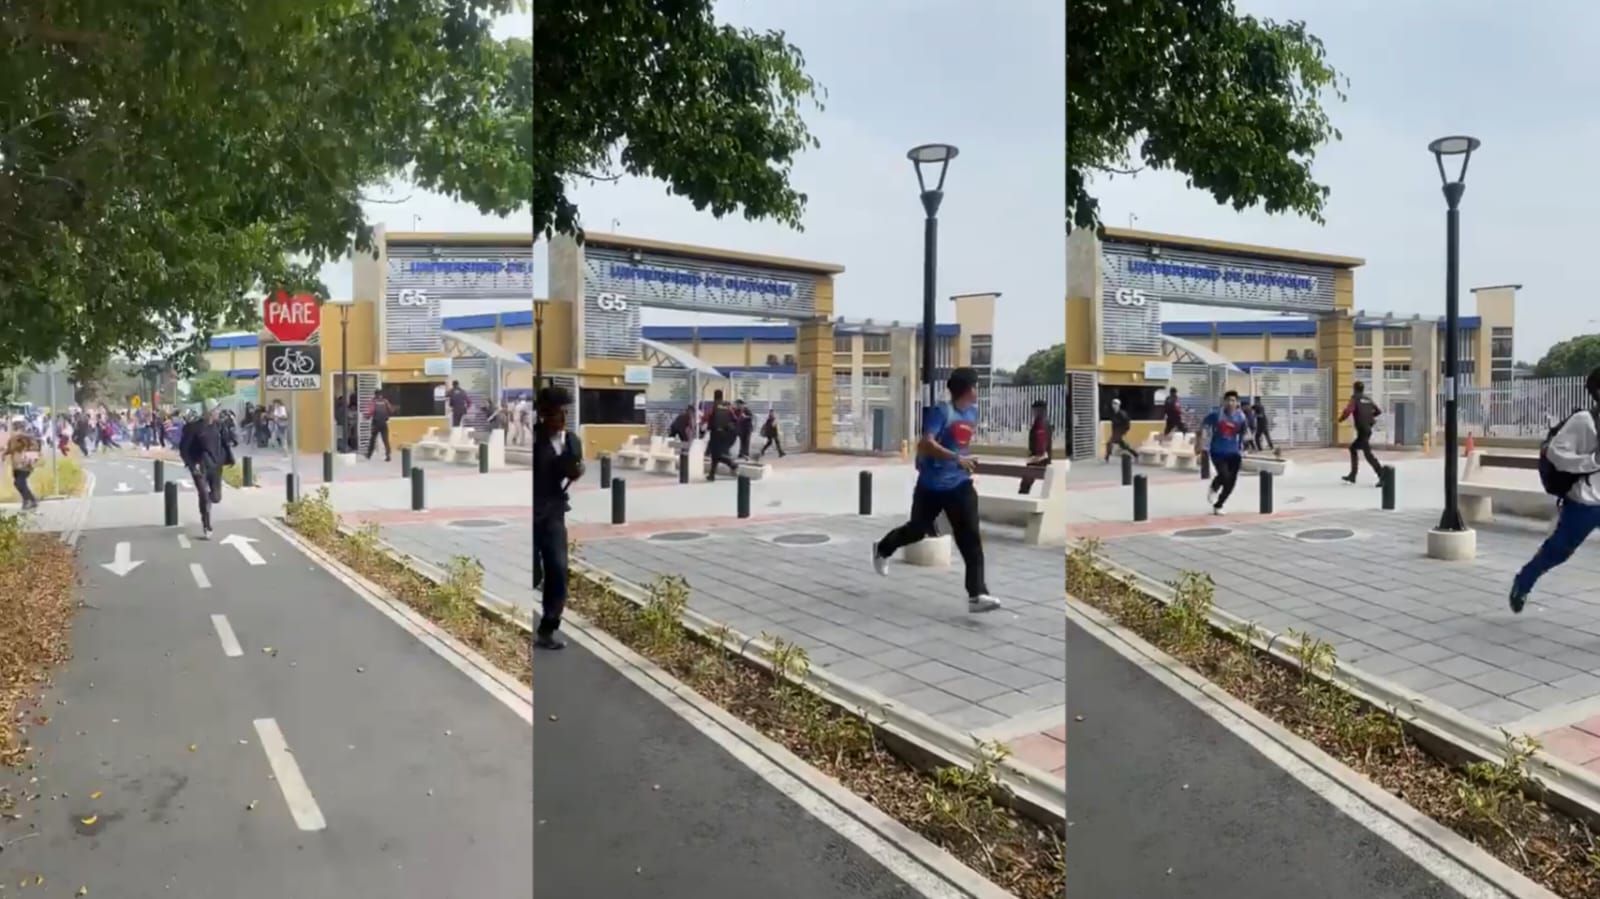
x,y
944,484
1227,428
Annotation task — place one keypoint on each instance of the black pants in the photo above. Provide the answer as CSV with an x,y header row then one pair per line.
x,y
1264,436
208,484
1027,483
1360,446
717,454
960,507
744,446
379,429
772,441
19,479
1118,440
1227,475
550,554
1175,424
457,417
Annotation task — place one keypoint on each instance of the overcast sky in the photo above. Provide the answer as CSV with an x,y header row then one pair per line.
x,y
1420,69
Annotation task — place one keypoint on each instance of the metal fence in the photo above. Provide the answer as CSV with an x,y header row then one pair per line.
x,y
1005,414
1298,403
788,395
858,405
1084,399
1521,408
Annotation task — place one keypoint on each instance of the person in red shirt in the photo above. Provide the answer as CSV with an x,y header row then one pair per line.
x,y
1039,439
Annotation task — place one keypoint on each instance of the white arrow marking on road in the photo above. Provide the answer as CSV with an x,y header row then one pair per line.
x,y
230,643
242,544
183,541
122,487
122,562
200,580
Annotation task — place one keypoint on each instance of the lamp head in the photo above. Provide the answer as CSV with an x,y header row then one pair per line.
x,y
1457,145
931,159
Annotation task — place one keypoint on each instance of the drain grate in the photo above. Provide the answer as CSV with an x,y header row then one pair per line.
x,y
679,536
802,539
1201,533
1325,534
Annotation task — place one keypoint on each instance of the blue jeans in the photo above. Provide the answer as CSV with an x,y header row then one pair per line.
x,y
1576,522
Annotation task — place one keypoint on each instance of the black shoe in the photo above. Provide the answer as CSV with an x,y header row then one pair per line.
x,y
1518,598
1349,479
549,641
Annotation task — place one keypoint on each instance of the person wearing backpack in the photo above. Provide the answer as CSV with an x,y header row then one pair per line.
x,y
944,486
1568,458
1364,412
722,434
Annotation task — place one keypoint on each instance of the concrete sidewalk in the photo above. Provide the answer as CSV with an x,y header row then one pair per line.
x,y
260,731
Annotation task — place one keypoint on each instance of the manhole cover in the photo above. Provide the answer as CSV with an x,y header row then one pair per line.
x,y
801,539
1198,533
679,536
1326,534
478,523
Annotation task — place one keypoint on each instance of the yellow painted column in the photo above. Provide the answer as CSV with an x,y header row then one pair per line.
x,y
814,356
1080,333
1336,349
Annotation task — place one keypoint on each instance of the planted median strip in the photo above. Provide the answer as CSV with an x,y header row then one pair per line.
x,y
961,809
1496,804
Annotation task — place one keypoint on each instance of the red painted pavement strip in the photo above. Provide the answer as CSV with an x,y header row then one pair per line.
x,y
1113,529
1046,751
1574,745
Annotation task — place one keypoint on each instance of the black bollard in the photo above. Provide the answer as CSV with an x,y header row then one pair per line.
x,y
170,505
405,461
1386,479
291,489
1141,498
327,467
419,490
864,501
1266,492
683,468
605,471
619,501
160,476
1205,466
1127,469
483,458
247,471
743,497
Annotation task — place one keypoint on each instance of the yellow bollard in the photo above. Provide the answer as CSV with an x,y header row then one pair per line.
x,y
903,451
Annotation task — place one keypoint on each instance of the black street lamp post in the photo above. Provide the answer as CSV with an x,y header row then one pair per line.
x,y
350,427
1453,189
929,159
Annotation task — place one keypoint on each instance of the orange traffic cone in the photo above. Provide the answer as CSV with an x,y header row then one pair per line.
x,y
1469,446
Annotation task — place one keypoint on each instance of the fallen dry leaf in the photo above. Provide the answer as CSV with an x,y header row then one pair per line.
x,y
89,821
95,795
193,747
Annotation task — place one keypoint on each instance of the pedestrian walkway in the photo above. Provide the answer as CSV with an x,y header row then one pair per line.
x,y
809,579
633,801
1167,802
1361,581
237,722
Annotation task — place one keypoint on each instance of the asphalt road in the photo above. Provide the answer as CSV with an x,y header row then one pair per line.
x,y
634,803
1166,803
422,780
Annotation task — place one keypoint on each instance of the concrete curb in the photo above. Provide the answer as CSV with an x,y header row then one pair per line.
x,y
1568,788
80,515
1037,795
1457,848
491,605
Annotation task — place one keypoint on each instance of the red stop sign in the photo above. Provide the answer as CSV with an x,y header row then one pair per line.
x,y
291,319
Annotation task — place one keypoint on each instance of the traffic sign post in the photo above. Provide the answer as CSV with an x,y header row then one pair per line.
x,y
291,319
292,367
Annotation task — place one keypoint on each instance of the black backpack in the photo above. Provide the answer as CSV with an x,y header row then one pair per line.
x,y
1556,482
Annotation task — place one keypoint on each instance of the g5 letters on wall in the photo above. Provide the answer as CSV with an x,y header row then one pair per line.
x,y
612,302
1127,296
412,298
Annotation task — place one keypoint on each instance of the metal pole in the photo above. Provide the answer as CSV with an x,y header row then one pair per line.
x,y
538,351
294,445
55,424
349,426
930,270
1451,520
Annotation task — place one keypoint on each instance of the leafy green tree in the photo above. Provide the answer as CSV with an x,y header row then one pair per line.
x,y
1232,102
1046,366
162,162
213,385
1575,357
656,88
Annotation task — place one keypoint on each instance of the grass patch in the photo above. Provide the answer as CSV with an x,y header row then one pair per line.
x,y
1494,804
955,807
38,577
67,480
452,603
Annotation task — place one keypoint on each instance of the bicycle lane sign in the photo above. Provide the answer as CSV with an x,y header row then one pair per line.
x,y
292,366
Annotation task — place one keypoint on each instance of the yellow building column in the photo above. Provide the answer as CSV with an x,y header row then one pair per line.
x,y
814,356
1336,349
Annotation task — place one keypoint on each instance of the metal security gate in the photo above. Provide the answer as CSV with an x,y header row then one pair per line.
x,y
1400,394
1007,413
857,405
1299,404
474,375
670,392
571,384
787,395
1199,390
366,389
1083,415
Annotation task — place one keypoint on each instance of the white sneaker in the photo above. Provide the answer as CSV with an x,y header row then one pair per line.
x,y
879,563
1211,496
982,603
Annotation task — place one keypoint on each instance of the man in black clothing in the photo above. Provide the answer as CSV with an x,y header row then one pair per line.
x,y
381,410
722,432
682,427
1263,426
458,401
1172,413
557,462
1121,424
746,427
1364,412
1040,436
205,455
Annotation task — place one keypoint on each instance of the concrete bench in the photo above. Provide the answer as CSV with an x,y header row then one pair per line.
x,y
657,455
1183,458
1480,496
1041,512
448,444
1152,452
1276,466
